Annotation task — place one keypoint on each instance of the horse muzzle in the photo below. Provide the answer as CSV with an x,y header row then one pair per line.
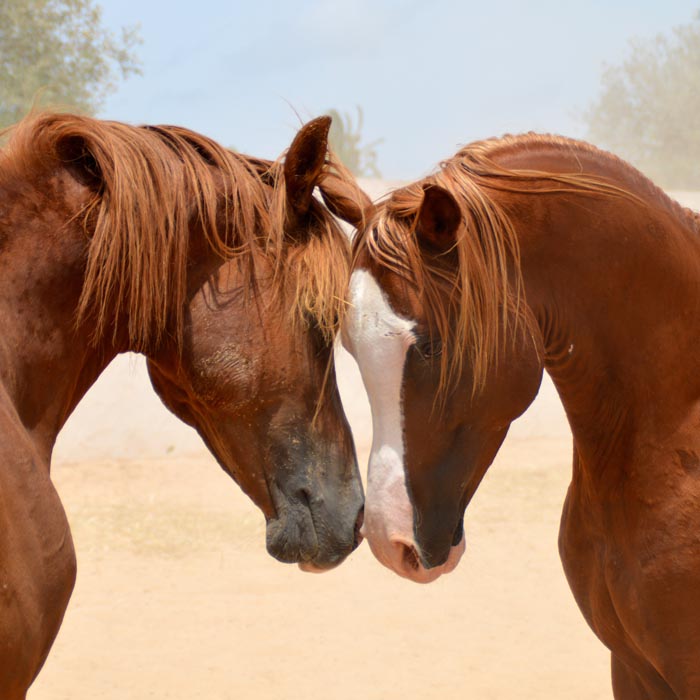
x,y
314,529
398,550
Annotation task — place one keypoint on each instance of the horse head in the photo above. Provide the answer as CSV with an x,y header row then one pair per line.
x,y
229,275
441,407
255,372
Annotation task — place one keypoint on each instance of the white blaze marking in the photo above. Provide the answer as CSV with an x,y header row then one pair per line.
x,y
379,339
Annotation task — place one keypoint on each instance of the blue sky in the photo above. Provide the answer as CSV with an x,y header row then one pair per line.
x,y
429,75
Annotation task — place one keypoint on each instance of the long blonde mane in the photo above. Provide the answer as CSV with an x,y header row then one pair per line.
x,y
473,305
158,188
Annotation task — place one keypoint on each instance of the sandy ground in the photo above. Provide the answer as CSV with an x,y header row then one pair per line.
x,y
177,599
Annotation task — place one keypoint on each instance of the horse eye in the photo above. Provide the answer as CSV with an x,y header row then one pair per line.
x,y
428,348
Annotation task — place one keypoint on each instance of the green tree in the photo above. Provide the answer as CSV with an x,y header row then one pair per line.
x,y
649,107
345,140
57,53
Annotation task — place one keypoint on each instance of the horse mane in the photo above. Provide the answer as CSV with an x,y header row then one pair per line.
x,y
639,187
153,186
484,288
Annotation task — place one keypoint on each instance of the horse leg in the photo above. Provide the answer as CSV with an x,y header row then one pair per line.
x,y
37,573
629,685
626,683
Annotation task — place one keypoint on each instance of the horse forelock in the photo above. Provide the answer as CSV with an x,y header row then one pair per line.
x,y
466,304
157,185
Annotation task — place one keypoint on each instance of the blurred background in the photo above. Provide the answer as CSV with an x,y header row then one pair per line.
x,y
176,597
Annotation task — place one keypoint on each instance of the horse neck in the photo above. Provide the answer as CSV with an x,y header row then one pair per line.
x,y
46,362
613,286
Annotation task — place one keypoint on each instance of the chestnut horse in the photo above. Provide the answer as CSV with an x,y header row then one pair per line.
x,y
228,275
522,254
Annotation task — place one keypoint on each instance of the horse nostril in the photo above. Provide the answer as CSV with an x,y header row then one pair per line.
x,y
408,556
304,498
458,533
358,527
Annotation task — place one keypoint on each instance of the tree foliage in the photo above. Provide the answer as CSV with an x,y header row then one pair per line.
x,y
649,108
56,53
345,139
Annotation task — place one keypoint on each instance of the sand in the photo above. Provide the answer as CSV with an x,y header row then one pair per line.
x,y
177,599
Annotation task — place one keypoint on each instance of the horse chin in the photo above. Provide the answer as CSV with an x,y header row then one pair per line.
x,y
309,567
293,538
407,563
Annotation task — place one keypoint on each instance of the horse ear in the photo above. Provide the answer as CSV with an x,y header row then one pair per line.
x,y
346,200
74,153
439,217
304,164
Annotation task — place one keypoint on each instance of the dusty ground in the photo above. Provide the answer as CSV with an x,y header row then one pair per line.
x,y
177,599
